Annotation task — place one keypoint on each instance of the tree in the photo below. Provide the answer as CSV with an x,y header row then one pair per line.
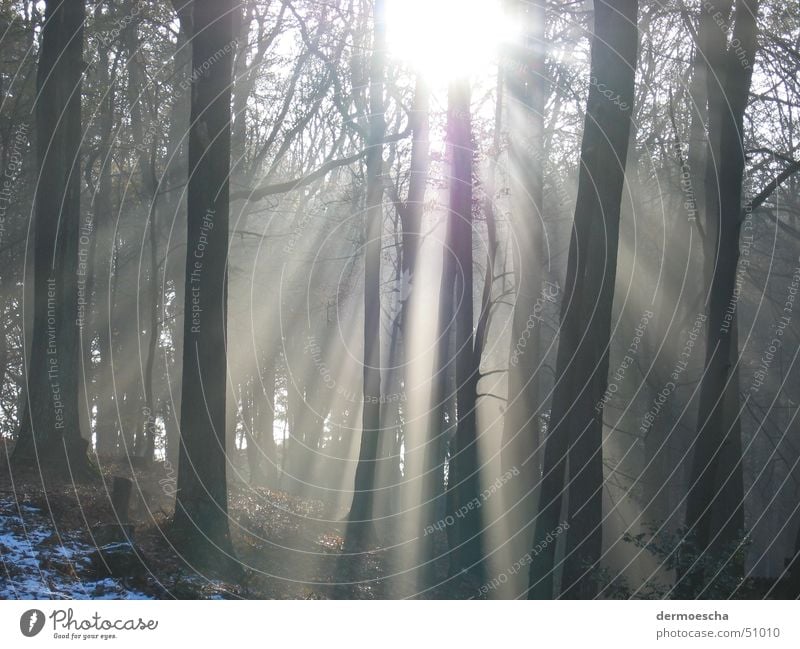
x,y
50,433
361,528
103,258
201,510
576,429
466,553
401,413
140,119
520,441
713,519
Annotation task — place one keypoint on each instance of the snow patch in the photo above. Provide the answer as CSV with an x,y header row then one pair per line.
x,y
39,562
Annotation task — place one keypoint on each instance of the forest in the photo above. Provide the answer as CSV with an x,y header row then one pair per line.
x,y
399,299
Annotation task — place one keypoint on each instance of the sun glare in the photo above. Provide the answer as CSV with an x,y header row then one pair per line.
x,y
446,39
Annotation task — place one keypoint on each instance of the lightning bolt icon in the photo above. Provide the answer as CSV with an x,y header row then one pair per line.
x,y
32,621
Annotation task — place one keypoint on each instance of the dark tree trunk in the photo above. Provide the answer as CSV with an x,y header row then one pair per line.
x,y
147,147
525,78
149,450
576,426
441,422
417,512
401,396
464,478
241,89
674,310
106,419
232,416
251,434
411,216
361,528
50,428
201,510
174,174
265,399
713,521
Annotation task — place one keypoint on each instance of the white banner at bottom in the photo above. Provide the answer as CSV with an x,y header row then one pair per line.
x,y
400,625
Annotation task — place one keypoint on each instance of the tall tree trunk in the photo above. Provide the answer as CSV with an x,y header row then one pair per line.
x,y
440,423
361,528
464,478
174,174
241,87
520,438
265,440
106,420
201,509
252,431
147,148
582,363
713,461
152,344
676,297
50,427
411,213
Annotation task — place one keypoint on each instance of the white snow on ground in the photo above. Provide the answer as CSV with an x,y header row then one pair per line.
x,y
38,563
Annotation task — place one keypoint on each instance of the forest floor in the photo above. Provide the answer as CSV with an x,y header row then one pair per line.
x,y
288,547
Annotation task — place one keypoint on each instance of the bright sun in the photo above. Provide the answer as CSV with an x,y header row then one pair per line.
x,y
446,39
